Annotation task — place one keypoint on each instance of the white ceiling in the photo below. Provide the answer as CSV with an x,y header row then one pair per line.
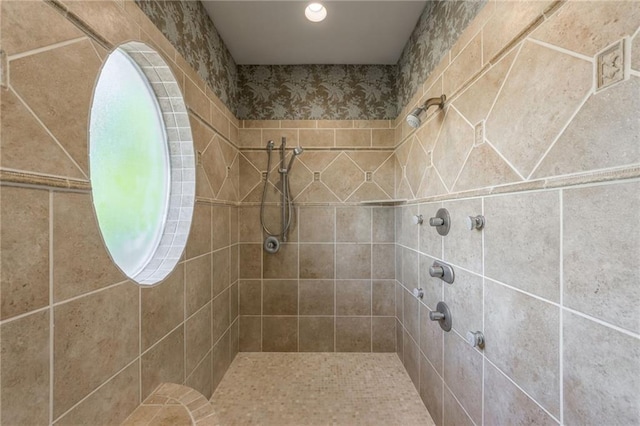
x,y
277,33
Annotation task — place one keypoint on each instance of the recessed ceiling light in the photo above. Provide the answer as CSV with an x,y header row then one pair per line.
x,y
315,12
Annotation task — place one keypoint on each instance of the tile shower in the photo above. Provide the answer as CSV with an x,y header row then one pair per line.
x,y
540,136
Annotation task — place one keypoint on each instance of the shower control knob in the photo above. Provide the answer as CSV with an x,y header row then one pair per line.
x,y
436,271
418,293
475,222
436,316
436,221
475,339
417,219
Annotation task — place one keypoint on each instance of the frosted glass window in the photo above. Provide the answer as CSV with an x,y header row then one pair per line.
x,y
142,193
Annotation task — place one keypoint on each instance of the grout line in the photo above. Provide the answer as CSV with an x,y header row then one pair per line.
x,y
518,49
51,310
46,48
458,402
561,316
561,50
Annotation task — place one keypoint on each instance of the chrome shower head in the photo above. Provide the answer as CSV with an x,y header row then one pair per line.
x,y
413,119
296,151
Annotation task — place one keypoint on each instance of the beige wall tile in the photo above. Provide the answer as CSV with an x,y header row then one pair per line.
x,y
250,261
431,341
18,126
317,297
342,176
453,145
81,262
197,283
353,261
454,414
219,121
197,335
353,334
25,370
411,359
521,335
221,314
600,136
220,227
94,337
250,334
317,261
261,124
221,359
250,138
383,334
416,163
111,404
221,274
462,246
59,83
163,363
107,19
317,334
383,223
505,403
31,25
283,264
199,241
589,28
410,265
353,224
214,165
298,124
280,297
528,258
464,298
383,297
234,301
431,390
411,312
601,262
162,307
635,53
382,138
484,168
279,334
250,297
463,374
353,138
353,297
335,124
201,378
384,177
510,19
24,243
464,66
317,138
383,265
476,101
317,224
591,366
249,224
195,98
276,136
534,114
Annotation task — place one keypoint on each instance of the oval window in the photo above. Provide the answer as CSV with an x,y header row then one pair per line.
x,y
141,162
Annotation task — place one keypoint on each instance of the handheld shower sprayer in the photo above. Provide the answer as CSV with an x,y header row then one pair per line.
x,y
296,151
413,118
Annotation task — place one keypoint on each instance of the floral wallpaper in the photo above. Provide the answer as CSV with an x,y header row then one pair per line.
x,y
298,92
188,27
438,28
317,92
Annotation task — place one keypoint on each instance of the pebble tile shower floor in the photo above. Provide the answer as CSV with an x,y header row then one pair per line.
x,y
318,389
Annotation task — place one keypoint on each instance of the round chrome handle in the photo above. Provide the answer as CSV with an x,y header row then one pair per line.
x,y
436,221
436,316
436,271
417,219
475,222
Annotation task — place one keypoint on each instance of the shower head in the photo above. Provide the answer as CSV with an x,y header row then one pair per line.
x,y
296,151
413,119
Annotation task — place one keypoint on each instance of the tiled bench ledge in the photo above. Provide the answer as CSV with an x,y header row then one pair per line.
x,y
173,405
